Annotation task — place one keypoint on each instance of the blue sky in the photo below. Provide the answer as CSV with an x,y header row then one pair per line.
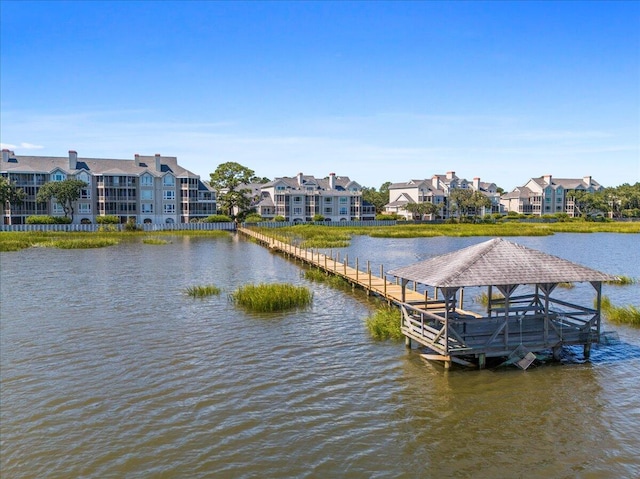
x,y
377,91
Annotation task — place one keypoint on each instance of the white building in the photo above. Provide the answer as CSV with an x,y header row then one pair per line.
x,y
300,198
548,195
437,191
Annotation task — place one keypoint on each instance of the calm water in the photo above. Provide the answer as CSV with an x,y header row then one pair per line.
x,y
109,370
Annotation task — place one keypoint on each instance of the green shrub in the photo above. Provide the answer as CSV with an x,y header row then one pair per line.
x,y
217,219
318,217
202,291
107,220
253,218
131,225
385,324
48,220
388,217
279,219
271,297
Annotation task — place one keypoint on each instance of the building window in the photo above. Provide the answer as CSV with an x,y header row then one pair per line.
x,y
343,210
169,195
343,200
280,188
58,176
146,180
146,194
297,199
169,209
328,211
169,181
327,199
57,208
297,211
146,208
84,208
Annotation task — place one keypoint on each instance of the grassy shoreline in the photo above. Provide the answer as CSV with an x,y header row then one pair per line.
x,y
320,236
17,240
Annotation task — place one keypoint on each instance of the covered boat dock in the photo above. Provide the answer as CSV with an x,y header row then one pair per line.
x,y
522,316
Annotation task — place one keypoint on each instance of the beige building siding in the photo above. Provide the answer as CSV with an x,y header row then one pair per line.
x,y
152,189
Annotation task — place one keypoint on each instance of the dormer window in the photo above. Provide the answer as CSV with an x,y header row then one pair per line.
x,y
146,180
58,176
169,181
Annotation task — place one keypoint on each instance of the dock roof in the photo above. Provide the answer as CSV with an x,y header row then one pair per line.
x,y
497,262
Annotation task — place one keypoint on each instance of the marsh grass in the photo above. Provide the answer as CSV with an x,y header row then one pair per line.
x,y
318,276
266,298
384,324
620,314
155,241
623,281
17,240
566,285
202,290
321,236
483,298
81,243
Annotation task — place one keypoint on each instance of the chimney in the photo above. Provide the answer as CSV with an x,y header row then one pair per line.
x,y
73,159
547,179
476,183
332,181
158,165
5,156
587,180
136,159
299,179
450,175
435,181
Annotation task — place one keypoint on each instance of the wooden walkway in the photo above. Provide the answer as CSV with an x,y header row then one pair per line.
x,y
378,285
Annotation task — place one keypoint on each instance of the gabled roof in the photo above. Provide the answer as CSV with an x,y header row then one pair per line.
x,y
401,200
497,262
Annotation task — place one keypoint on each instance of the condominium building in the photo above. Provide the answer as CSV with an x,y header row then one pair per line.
x,y
437,191
300,198
147,189
548,195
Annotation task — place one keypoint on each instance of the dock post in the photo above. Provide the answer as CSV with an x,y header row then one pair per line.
x,y
357,269
407,342
482,360
587,350
383,279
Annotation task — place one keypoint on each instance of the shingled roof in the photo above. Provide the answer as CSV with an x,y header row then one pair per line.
x,y
496,262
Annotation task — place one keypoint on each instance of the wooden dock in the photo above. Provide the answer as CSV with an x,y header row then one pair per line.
x,y
380,286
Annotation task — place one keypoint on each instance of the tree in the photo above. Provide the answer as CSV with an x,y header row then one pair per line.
x,y
468,201
589,203
65,193
10,194
420,210
377,198
228,181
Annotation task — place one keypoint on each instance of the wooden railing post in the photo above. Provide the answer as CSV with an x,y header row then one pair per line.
x,y
357,269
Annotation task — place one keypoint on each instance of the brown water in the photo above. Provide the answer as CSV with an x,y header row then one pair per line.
x,y
109,370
